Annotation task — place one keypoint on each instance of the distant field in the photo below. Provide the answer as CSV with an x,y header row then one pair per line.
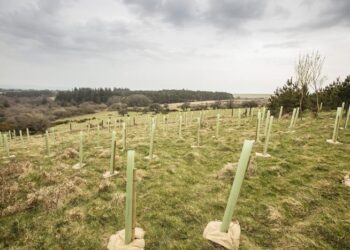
x,y
293,200
261,99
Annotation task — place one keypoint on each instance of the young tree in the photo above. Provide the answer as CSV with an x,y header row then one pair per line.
x,y
308,70
303,77
317,80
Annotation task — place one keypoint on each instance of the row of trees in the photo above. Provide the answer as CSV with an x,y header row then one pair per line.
x,y
102,95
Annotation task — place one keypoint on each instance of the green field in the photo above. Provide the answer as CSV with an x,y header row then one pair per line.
x,y
293,200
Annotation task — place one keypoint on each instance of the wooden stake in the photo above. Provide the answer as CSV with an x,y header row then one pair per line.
x,y
237,183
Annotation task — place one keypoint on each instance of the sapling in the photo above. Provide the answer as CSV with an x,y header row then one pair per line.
x,y
237,183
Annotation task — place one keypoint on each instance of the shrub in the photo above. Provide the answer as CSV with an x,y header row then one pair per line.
x,y
138,100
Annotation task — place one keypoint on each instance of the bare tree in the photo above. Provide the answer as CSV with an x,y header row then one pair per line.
x,y
317,79
308,71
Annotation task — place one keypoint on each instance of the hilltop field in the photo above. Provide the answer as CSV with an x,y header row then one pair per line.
x,y
294,200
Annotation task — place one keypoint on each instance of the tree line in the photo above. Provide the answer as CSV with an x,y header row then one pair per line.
x,y
102,95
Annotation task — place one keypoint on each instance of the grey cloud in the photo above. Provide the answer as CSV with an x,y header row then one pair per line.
x,y
283,45
40,25
173,11
336,12
222,13
323,14
233,13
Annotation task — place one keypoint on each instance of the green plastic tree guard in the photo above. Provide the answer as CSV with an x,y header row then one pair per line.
x,y
129,196
21,136
217,125
336,125
6,145
321,106
347,117
296,117
257,136
198,130
124,136
266,122
113,149
151,141
180,126
47,143
292,120
281,113
81,149
98,135
268,135
28,135
237,183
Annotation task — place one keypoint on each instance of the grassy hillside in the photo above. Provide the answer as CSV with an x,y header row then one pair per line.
x,y
293,200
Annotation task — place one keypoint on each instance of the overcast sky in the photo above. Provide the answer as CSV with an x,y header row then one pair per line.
x,y
238,46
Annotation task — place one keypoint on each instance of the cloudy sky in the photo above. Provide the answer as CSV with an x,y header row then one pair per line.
x,y
239,46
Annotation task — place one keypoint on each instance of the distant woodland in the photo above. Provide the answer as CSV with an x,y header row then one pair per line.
x,y
36,109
